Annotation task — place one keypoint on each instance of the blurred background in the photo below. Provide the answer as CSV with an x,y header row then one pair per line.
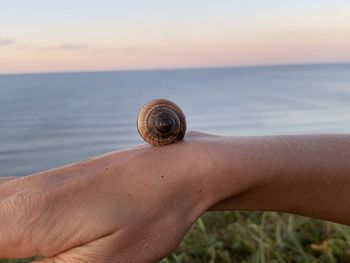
x,y
73,76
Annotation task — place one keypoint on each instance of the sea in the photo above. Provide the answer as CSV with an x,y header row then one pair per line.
x,y
48,120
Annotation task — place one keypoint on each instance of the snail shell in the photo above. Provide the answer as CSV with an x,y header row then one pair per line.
x,y
161,122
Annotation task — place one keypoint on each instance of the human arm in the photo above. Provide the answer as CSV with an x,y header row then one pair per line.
x,y
136,205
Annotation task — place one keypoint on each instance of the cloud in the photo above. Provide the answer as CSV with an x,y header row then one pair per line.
x,y
126,49
72,47
6,41
67,47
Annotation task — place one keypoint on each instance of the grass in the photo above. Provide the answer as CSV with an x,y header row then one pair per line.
x,y
260,237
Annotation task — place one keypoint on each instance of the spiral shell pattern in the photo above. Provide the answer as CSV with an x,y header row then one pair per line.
x,y
161,122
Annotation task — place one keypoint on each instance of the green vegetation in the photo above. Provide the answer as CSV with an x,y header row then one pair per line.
x,y
260,237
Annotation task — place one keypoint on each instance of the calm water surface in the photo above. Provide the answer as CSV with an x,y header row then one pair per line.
x,y
47,120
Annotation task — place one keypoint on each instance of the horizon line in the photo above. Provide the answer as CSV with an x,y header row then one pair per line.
x,y
174,68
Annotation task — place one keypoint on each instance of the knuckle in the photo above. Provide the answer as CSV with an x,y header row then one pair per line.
x,y
24,203
17,215
23,209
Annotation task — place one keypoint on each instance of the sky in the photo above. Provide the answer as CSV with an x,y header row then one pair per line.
x,y
86,35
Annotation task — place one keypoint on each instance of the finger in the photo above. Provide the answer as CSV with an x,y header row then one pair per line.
x,y
98,251
115,247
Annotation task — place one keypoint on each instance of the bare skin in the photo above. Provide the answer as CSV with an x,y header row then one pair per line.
x,y
136,205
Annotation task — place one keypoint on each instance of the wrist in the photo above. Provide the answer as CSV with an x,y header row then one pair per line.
x,y
240,167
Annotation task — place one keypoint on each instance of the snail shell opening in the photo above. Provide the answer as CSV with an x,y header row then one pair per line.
x,y
161,122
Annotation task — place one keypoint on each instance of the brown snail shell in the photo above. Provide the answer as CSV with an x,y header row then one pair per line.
x,y
161,122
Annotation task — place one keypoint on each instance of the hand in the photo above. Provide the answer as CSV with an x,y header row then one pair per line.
x,y
127,206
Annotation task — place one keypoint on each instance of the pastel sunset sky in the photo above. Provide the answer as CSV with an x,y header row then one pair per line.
x,y
86,35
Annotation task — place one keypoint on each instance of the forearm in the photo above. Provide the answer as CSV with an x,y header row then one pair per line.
x,y
307,175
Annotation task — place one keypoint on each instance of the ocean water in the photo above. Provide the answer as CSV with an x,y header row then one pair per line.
x,y
47,120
